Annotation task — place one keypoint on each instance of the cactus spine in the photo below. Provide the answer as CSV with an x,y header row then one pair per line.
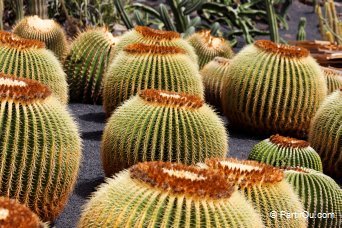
x,y
162,126
86,64
207,47
326,133
40,147
39,8
157,194
301,35
149,67
333,78
285,151
273,88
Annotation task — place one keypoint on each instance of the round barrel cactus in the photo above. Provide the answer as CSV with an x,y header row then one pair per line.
x,y
266,188
326,134
207,47
86,64
285,151
141,66
146,35
273,88
162,126
40,148
27,58
45,30
321,196
158,194
213,75
333,78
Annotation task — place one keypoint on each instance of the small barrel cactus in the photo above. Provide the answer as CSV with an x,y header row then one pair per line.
x,y
273,88
146,35
207,47
265,187
213,75
87,62
162,126
285,151
158,194
45,30
149,67
40,148
320,195
326,134
333,77
27,58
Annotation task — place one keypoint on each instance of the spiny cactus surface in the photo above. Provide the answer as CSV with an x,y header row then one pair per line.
x,y
333,78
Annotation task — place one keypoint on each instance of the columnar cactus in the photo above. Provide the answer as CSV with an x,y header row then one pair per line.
x,y
273,88
213,75
40,148
265,187
162,126
333,78
146,35
45,30
207,47
285,151
326,133
319,194
149,67
27,58
158,194
86,64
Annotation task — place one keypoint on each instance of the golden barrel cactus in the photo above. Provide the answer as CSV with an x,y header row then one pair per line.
x,y
333,78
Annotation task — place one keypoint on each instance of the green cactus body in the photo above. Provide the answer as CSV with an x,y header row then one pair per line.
x,y
333,78
87,63
213,75
265,187
273,88
283,151
319,194
207,47
162,126
326,134
149,67
158,194
27,58
45,30
40,148
146,35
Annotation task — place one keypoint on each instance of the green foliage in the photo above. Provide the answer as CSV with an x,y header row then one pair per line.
x,y
19,9
272,21
39,8
301,34
1,14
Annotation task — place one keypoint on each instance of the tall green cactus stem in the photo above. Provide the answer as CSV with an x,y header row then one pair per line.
x,y
283,151
273,88
207,47
272,21
157,194
149,67
301,34
146,35
86,64
2,8
45,30
326,133
265,188
333,78
213,75
162,126
40,148
19,9
39,8
319,194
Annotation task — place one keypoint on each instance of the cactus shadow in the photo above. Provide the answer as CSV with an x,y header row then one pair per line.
x,y
93,135
97,117
85,188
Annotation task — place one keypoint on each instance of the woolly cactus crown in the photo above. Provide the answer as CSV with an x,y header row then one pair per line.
x,y
282,49
10,40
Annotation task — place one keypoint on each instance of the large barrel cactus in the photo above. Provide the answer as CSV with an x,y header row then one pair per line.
x,y
162,126
273,88
27,58
207,47
265,187
333,78
326,134
40,148
141,66
157,194
285,151
87,62
321,196
45,30
146,35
